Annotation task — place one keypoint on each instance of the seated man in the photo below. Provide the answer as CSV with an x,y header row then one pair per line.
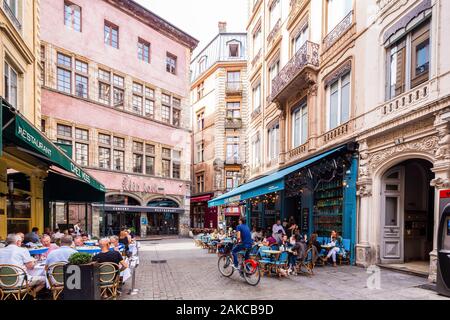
x,y
32,236
85,237
15,255
107,255
47,243
115,242
78,241
61,254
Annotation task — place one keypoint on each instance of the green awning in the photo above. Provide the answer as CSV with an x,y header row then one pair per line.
x,y
25,135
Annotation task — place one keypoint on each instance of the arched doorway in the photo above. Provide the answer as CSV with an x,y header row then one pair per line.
x,y
163,217
407,213
118,218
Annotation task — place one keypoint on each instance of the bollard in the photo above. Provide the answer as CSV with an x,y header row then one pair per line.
x,y
133,267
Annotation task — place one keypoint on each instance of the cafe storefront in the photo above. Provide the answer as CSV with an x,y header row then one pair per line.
x,y
34,173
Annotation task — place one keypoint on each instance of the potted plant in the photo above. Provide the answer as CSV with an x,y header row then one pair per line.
x,y
81,278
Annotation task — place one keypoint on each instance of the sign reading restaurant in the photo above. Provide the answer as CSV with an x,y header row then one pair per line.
x,y
25,135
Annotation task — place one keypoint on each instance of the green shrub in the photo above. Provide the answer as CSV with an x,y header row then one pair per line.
x,y
80,258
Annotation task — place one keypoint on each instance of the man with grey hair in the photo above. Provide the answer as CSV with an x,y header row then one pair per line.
x,y
61,254
114,242
107,255
15,255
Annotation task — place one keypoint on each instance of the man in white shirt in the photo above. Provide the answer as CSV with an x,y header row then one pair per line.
x,y
62,254
15,255
277,227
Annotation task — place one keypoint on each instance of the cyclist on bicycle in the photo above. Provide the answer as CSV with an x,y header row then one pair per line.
x,y
245,242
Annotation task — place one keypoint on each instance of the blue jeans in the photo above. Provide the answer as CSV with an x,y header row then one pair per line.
x,y
236,249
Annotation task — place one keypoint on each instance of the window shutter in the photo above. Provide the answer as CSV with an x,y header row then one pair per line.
x,y
401,70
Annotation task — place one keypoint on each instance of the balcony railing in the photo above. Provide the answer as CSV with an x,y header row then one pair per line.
x,y
256,112
404,101
233,123
307,55
338,31
234,87
232,161
274,32
12,15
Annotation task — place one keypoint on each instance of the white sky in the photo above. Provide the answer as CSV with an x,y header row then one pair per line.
x,y
199,18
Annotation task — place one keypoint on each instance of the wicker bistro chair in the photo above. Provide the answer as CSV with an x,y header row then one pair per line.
x,y
307,264
14,283
265,260
109,278
281,265
55,278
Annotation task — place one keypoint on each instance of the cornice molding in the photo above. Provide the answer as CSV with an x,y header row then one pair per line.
x,y
21,46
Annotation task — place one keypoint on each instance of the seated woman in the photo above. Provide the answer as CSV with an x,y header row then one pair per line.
x,y
125,238
298,252
332,253
269,241
285,244
315,245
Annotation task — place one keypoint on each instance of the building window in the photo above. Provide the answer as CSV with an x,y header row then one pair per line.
x,y
233,149
149,93
299,125
104,75
166,168
150,149
149,108
64,131
200,121
232,180
171,63
275,14
119,157
137,163
257,42
43,125
233,110
118,91
150,165
104,157
166,153
233,81
81,86
111,34
409,61
72,16
256,151
117,80
200,183
273,72
43,65
165,114
81,66
274,142
200,90
104,91
143,50
104,139
137,104
138,146
202,63
337,10
200,152
300,39
339,101
10,85
81,134
176,165
81,153
64,81
119,142
233,50
176,114
256,97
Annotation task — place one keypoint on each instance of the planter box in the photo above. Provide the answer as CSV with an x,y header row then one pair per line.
x,y
81,282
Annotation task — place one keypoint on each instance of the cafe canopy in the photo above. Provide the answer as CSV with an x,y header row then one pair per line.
x,y
21,137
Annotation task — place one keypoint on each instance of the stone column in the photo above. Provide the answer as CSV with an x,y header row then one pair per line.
x,y
313,115
37,199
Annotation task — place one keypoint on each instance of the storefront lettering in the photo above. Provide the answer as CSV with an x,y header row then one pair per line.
x,y
80,173
132,186
31,139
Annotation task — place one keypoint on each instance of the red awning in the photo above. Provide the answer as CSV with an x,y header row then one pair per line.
x,y
201,198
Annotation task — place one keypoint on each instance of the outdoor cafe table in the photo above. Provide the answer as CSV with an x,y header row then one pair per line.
x,y
36,251
95,249
274,253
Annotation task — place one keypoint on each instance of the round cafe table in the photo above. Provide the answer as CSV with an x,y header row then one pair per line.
x,y
37,251
90,243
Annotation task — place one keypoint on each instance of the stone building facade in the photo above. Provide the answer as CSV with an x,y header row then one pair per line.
x,y
116,92
219,98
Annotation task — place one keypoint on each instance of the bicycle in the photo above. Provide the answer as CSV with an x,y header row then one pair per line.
x,y
249,267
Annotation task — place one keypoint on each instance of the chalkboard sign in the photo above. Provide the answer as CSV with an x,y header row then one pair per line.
x,y
305,220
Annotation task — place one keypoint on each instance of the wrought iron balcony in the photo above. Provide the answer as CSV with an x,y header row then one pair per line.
x,y
338,31
234,87
12,15
233,123
232,160
289,77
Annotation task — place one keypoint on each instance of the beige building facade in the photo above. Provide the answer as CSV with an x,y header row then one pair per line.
x,y
219,112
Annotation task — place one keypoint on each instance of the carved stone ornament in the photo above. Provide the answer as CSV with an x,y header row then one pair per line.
x,y
440,183
443,150
425,145
364,191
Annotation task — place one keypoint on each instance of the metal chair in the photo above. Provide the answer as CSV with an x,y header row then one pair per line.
x,y
55,278
282,263
109,273
14,283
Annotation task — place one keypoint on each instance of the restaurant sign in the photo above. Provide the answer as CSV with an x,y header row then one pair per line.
x,y
25,132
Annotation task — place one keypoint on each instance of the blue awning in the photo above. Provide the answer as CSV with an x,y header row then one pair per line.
x,y
265,185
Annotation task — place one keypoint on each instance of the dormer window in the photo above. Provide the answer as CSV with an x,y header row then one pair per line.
x,y
233,50
202,64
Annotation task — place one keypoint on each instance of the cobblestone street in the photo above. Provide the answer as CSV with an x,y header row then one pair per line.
x,y
191,273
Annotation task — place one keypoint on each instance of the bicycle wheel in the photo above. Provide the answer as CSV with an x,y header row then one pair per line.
x,y
251,272
225,266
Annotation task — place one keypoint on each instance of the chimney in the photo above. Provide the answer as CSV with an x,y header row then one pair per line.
x,y
222,27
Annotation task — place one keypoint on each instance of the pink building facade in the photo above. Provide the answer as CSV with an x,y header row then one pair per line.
x,y
116,95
